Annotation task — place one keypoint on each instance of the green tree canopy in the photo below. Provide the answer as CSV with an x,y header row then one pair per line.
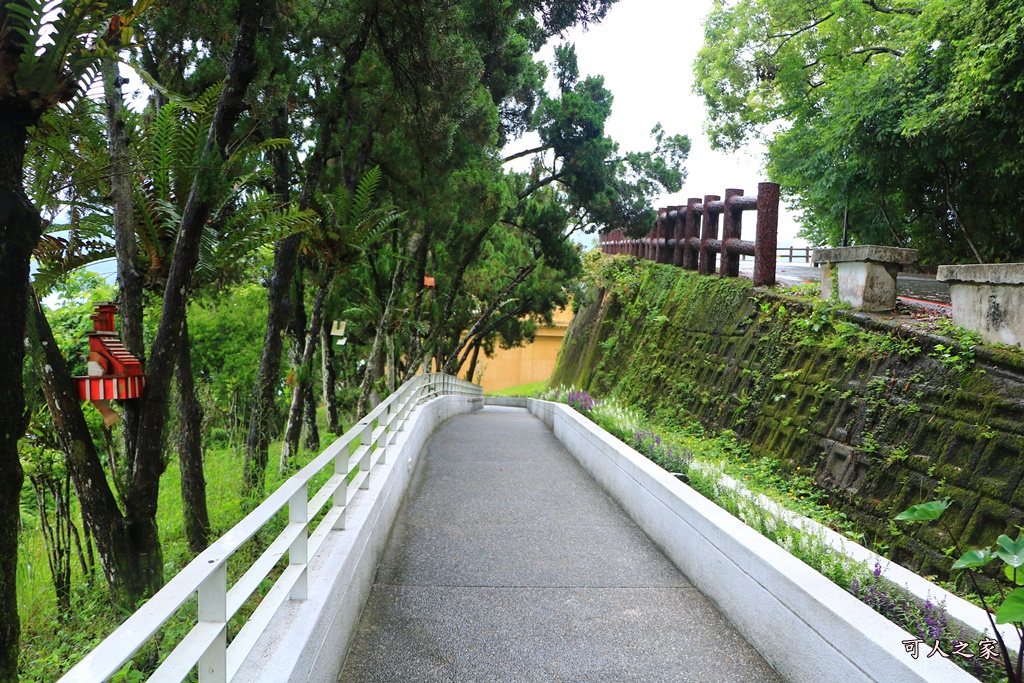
x,y
894,120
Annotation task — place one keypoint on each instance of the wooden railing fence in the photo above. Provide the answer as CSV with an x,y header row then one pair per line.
x,y
687,236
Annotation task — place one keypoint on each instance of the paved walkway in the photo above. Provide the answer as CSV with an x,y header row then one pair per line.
x,y
915,287
508,563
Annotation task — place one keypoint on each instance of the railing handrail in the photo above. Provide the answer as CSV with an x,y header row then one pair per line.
x,y
800,254
206,644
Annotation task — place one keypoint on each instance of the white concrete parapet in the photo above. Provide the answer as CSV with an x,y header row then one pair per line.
x,y
301,627
307,640
806,627
505,401
865,275
988,298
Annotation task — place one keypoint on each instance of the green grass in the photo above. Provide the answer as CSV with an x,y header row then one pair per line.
x,y
528,390
50,647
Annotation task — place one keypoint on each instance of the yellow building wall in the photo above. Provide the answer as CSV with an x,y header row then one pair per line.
x,y
525,364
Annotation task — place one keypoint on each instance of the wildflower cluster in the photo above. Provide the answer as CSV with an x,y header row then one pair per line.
x,y
581,401
616,418
930,623
670,457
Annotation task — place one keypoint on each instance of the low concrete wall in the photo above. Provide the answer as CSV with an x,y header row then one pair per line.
x,y
806,627
307,640
507,401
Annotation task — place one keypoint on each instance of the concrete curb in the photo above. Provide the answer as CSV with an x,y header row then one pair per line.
x,y
806,627
307,640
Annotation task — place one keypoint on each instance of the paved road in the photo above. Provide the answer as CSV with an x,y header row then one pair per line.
x,y
919,287
509,563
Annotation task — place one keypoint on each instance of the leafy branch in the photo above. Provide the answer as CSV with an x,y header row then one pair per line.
x,y
1011,552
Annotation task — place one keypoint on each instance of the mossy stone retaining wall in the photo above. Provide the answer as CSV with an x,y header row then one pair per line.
x,y
884,420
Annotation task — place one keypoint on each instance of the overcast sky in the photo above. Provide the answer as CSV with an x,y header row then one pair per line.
x,y
645,50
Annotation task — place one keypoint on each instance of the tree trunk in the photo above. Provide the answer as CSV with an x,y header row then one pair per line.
x,y
310,429
20,228
302,380
373,363
57,537
297,332
147,457
281,304
278,316
195,517
472,363
129,280
390,369
130,555
328,377
956,215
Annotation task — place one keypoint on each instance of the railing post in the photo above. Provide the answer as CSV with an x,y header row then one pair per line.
x,y
402,402
653,253
382,441
691,230
732,229
213,608
341,493
677,235
298,551
766,244
667,230
708,231
652,242
366,439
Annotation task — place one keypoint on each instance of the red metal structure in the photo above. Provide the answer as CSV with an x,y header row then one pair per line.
x,y
114,374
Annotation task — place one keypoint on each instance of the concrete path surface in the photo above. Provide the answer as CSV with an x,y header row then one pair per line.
x,y
508,563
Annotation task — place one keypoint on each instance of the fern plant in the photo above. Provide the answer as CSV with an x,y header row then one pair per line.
x,y
61,44
244,217
350,221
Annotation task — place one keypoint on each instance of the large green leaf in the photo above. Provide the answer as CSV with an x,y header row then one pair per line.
x,y
925,512
974,558
1011,552
1015,575
1012,609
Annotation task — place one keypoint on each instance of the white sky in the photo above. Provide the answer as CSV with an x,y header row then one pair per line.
x,y
645,50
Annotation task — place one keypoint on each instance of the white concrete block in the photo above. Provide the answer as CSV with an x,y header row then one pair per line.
x,y
988,298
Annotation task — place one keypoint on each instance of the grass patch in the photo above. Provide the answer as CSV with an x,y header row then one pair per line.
x,y
50,647
531,390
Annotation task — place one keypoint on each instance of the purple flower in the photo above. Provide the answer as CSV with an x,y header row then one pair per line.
x,y
581,401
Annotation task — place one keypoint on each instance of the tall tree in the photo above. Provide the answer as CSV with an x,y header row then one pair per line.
x,y
34,76
895,117
128,541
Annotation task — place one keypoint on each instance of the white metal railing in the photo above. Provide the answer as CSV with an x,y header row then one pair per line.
x,y
206,644
792,254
